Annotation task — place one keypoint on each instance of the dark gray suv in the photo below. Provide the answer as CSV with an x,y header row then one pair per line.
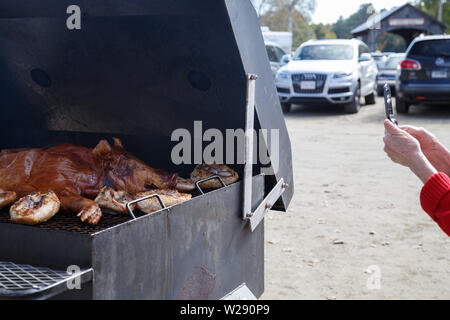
x,y
424,75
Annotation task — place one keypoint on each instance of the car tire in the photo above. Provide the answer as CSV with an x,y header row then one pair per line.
x,y
286,107
401,106
370,99
355,105
380,92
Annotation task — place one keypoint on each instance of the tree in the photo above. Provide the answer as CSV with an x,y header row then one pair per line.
x,y
432,8
343,26
322,31
260,6
289,7
290,15
390,42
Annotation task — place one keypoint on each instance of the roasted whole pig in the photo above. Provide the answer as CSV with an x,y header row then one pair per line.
x,y
83,180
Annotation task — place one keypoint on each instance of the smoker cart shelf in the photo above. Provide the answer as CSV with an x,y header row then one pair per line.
x,y
19,281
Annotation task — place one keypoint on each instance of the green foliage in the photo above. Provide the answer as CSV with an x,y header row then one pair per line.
x,y
342,27
431,7
322,31
277,19
390,42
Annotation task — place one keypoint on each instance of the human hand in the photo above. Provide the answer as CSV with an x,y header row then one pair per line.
x,y
400,146
435,152
405,149
428,142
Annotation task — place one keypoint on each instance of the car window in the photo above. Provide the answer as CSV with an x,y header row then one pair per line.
x,y
431,48
325,52
393,62
280,53
363,49
272,54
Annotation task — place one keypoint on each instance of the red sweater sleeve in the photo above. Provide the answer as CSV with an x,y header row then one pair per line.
x,y
435,200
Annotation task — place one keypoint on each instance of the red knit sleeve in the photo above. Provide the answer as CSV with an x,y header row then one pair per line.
x,y
435,200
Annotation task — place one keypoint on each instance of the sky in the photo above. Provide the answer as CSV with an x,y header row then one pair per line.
x,y
328,11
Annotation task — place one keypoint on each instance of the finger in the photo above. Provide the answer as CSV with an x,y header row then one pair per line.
x,y
407,127
390,127
414,131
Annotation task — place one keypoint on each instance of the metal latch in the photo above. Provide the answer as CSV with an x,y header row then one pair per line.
x,y
256,217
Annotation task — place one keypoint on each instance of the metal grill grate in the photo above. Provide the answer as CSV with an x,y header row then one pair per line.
x,y
24,277
64,221
70,222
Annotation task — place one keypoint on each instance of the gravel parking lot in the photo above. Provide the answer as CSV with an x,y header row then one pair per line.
x,y
355,215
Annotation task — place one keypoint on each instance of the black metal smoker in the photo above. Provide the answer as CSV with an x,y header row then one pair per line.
x,y
139,70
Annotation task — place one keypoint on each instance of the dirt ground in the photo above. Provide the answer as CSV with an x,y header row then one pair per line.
x,y
355,217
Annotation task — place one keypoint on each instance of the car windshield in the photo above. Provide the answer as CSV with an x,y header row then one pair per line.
x,y
431,48
326,52
393,62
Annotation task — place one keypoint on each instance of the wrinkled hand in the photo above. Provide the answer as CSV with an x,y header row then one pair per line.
x,y
428,142
405,149
435,152
400,146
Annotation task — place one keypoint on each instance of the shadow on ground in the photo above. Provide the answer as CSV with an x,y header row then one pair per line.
x,y
312,111
427,112
416,113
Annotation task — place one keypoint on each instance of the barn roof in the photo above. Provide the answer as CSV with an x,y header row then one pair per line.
x,y
371,22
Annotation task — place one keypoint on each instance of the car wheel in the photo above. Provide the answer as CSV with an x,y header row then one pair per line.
x,y
355,105
286,107
380,92
370,99
401,106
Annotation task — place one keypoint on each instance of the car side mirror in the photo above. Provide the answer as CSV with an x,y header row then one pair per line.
x,y
365,57
286,59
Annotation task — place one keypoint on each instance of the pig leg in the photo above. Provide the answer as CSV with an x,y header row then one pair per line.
x,y
87,210
7,198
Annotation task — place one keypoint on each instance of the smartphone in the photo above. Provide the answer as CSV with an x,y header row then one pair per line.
x,y
388,104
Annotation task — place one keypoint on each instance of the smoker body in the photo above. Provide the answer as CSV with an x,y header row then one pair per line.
x,y
138,70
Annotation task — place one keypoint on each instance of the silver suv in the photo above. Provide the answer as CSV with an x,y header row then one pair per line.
x,y
328,72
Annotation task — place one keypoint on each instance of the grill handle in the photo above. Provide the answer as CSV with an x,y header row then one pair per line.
x,y
197,184
255,217
130,211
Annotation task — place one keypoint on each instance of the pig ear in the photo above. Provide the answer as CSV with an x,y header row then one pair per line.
x,y
118,143
103,148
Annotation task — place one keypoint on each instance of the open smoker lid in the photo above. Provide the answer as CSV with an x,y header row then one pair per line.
x,y
136,69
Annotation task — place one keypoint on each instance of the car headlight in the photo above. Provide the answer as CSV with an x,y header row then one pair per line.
x,y
282,75
341,75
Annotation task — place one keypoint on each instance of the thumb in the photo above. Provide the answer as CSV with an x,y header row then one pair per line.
x,y
390,127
